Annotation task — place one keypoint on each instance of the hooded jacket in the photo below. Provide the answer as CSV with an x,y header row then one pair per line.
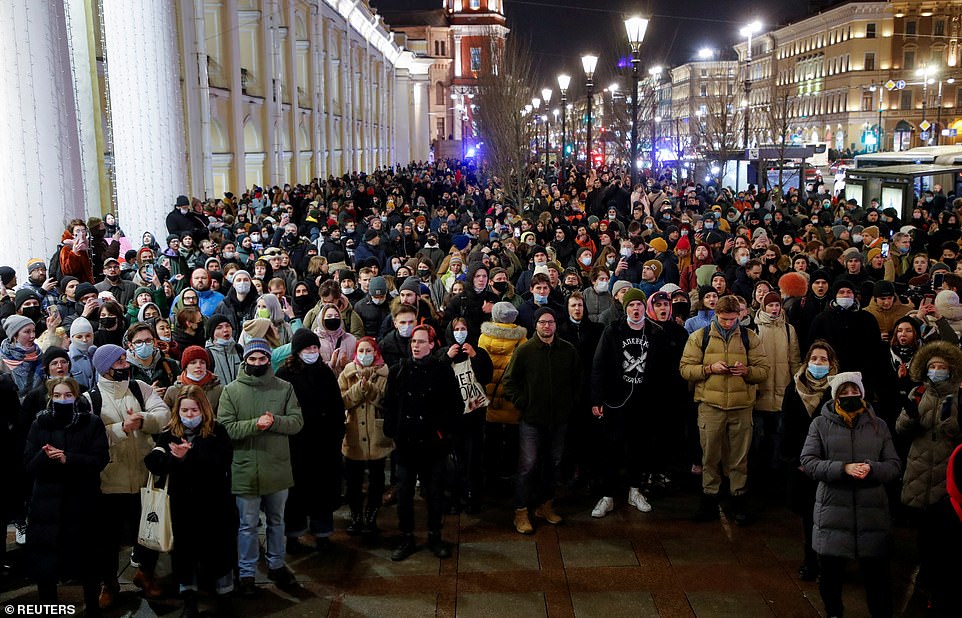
x,y
724,391
887,318
780,345
932,425
500,341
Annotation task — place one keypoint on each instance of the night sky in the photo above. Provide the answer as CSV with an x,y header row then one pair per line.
x,y
560,31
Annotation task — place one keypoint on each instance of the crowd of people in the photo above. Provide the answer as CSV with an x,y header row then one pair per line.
x,y
365,335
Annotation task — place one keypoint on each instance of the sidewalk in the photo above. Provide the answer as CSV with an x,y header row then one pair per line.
x,y
627,564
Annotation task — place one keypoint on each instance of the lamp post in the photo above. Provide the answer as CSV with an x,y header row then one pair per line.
x,y
546,96
926,72
635,27
536,105
588,63
748,31
564,81
655,75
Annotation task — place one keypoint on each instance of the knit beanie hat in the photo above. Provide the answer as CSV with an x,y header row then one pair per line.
x,y
839,379
683,244
883,288
53,353
7,275
14,324
821,275
213,322
80,326
619,285
658,244
411,284
771,297
542,311
706,289
668,288
192,353
504,312
256,345
64,282
105,356
83,289
656,266
303,338
632,295
22,296
378,286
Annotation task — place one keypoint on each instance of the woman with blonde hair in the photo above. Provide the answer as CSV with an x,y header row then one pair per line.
x,y
195,453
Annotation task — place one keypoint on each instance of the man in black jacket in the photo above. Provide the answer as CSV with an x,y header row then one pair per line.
x,y
373,308
182,219
421,407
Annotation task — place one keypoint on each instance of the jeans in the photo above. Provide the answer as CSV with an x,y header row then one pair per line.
x,y
538,446
249,508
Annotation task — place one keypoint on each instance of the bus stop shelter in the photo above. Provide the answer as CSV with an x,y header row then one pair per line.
x,y
898,186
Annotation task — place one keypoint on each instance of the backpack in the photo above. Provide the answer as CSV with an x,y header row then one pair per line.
x,y
706,333
97,399
53,268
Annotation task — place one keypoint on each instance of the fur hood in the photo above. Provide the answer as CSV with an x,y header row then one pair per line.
x,y
943,349
503,331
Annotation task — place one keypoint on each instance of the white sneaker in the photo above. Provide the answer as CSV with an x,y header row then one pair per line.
x,y
637,500
604,506
21,533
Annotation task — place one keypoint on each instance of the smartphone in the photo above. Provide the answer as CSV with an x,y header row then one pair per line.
x,y
517,232
937,280
149,271
928,299
885,249
53,310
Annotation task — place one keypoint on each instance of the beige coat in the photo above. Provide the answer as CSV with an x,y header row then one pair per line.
x,y
724,391
126,472
780,345
364,438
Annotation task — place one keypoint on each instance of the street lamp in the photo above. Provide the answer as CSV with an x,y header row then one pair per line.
x,y
635,27
546,95
926,72
655,74
564,81
748,31
706,53
588,63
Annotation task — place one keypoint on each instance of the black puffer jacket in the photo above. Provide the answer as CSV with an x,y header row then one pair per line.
x,y
62,508
851,515
422,405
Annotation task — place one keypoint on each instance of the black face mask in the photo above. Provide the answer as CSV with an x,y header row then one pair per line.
x,y
850,404
500,286
256,371
120,375
332,323
63,412
424,274
108,323
31,312
680,310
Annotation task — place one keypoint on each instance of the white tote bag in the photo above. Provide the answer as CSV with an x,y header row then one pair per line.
x,y
155,530
471,392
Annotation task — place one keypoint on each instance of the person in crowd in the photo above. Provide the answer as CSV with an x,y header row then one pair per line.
x,y
225,353
421,406
804,398
929,421
194,453
280,313
373,308
260,412
396,345
66,450
20,354
81,353
131,412
725,362
541,380
196,371
363,384
240,302
147,363
849,452
316,448
336,344
189,327
121,289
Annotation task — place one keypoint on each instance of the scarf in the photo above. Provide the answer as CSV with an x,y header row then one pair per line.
x,y
188,381
810,390
25,365
727,334
848,417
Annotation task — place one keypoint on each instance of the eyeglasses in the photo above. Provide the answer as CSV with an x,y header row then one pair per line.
x,y
546,322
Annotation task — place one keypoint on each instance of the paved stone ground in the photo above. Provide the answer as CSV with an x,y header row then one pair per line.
x,y
627,564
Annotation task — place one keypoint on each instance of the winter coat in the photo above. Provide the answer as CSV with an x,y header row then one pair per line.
x,y
596,304
316,448
724,391
212,389
162,370
62,511
543,381
126,473
631,366
796,421
262,459
780,345
24,365
422,405
371,314
202,509
851,515
500,341
857,340
395,348
932,425
887,319
227,360
337,340
238,311
82,367
364,438
352,321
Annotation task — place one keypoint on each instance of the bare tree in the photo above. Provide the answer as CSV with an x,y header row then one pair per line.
x,y
501,96
778,116
721,125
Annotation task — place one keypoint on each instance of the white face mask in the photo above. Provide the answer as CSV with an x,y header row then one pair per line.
x,y
242,287
366,360
405,330
197,376
461,336
626,252
845,303
601,287
309,358
347,290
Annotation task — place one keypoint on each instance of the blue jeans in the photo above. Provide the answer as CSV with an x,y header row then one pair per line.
x,y
538,445
249,508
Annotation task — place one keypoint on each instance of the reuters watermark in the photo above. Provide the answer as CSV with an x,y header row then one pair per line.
x,y
40,609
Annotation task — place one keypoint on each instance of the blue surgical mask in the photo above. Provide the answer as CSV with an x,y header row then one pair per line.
x,y
844,303
365,360
818,371
405,330
541,300
144,350
938,375
191,423
743,260
461,336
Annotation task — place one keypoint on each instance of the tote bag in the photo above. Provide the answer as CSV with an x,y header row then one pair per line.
x,y
471,391
155,530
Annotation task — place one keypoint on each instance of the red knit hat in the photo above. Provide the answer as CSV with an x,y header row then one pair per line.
x,y
683,244
193,353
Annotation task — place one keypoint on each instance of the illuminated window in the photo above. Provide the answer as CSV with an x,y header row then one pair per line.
x,y
869,64
475,58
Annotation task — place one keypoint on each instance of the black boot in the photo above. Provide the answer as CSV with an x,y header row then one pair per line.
x,y
370,523
405,548
190,605
224,606
707,509
740,511
438,547
357,523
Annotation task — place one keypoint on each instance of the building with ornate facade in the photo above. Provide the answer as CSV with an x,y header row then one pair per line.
x,y
123,104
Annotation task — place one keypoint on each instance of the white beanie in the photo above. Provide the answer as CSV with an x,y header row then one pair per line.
x,y
838,380
80,326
